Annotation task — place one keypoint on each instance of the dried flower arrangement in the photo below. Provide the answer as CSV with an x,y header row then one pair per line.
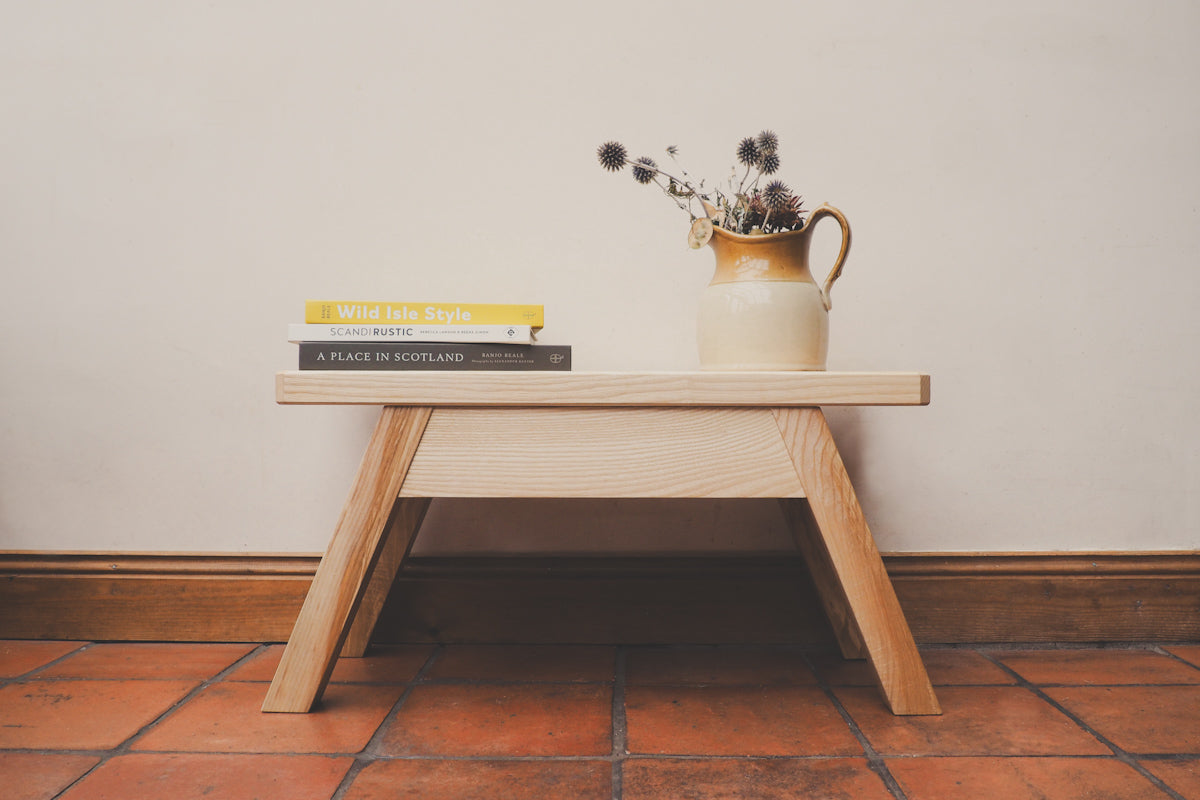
x,y
742,207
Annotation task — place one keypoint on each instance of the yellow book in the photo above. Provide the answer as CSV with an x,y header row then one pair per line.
x,y
335,311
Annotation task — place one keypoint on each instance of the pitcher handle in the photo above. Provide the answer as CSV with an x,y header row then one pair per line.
x,y
827,210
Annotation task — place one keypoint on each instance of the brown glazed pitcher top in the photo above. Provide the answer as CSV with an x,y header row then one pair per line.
x,y
775,256
761,257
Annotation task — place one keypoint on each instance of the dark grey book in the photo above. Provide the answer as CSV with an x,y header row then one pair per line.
x,y
433,355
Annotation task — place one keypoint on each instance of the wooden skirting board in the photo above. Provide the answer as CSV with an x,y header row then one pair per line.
x,y
962,598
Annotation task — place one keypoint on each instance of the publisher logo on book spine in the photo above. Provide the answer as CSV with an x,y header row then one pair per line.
x,y
510,332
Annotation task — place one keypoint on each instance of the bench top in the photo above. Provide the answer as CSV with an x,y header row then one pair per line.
x,y
592,389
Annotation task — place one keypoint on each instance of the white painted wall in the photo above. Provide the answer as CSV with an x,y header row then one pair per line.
x,y
1023,180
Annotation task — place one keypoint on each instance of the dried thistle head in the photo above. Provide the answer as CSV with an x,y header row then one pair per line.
x,y
775,195
774,208
768,142
644,169
789,215
612,155
747,152
769,163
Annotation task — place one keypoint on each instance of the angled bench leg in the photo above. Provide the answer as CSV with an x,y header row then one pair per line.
x,y
829,589
855,563
353,552
407,515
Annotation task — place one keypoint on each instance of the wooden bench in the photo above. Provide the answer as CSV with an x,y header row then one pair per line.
x,y
600,434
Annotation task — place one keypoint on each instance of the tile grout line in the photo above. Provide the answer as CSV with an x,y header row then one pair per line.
x,y
1162,649
32,675
875,762
1119,754
124,747
620,726
370,752
356,767
371,749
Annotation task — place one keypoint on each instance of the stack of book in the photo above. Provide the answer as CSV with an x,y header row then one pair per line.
x,y
446,336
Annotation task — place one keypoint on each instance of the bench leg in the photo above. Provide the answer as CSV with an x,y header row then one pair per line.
x,y
855,564
398,539
354,550
829,589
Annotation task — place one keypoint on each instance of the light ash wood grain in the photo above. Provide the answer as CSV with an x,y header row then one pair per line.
x,y
820,568
407,515
481,388
855,563
339,582
613,452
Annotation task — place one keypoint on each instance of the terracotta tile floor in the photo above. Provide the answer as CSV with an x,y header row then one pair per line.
x,y
82,721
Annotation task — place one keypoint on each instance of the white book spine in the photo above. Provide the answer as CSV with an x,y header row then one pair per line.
x,y
360,332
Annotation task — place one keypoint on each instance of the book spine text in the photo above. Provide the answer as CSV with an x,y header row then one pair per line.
x,y
351,332
433,356
334,311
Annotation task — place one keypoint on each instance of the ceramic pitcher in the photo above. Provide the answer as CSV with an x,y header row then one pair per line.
x,y
763,310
